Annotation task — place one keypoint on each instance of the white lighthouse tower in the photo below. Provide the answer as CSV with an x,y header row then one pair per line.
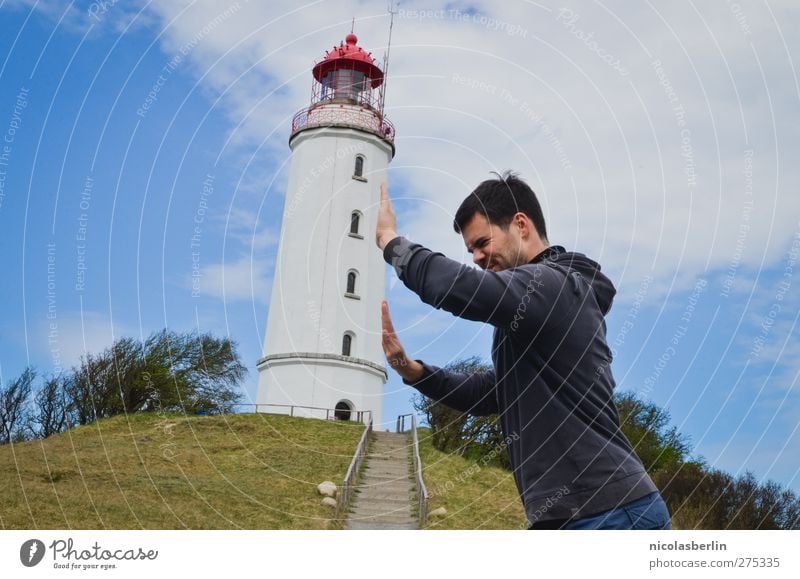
x,y
322,349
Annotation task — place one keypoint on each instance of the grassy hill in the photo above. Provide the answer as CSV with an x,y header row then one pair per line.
x,y
249,471
476,496
244,471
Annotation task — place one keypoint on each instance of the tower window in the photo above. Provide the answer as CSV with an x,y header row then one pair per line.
x,y
355,219
347,344
350,287
359,168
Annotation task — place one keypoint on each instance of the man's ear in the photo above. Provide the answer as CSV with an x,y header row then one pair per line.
x,y
526,228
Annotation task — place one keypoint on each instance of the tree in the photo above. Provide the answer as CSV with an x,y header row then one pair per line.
x,y
698,496
50,413
14,417
452,431
87,389
193,372
169,371
646,427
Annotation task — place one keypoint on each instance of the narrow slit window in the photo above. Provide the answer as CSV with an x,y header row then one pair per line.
x,y
355,219
351,282
359,168
347,343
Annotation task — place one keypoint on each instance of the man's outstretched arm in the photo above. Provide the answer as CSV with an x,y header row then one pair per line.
x,y
524,296
471,393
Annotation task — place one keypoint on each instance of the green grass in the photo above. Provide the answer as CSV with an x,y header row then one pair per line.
x,y
156,471
248,471
476,496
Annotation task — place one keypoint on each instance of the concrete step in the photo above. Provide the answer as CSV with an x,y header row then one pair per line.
x,y
378,457
375,506
376,509
392,465
387,487
377,493
398,519
393,446
395,492
372,480
382,461
398,456
372,526
389,454
385,482
386,471
379,517
378,480
389,504
383,474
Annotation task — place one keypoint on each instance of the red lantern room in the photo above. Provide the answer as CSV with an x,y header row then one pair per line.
x,y
347,91
348,73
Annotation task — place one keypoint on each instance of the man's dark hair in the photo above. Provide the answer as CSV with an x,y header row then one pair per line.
x,y
499,200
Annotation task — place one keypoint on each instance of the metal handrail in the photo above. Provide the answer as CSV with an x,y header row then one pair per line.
x,y
330,413
422,494
343,496
401,423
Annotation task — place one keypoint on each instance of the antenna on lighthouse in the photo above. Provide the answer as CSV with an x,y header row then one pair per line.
x,y
388,49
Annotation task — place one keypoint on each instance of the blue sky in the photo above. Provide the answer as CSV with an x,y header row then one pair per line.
x,y
662,141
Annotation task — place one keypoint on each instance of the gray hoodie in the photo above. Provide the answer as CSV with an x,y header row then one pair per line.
x,y
551,384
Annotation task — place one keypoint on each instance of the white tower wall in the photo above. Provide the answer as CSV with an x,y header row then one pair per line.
x,y
309,310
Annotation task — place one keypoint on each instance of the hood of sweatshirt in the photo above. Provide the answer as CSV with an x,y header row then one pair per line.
x,y
589,270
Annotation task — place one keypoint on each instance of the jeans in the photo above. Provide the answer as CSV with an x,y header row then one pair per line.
x,y
647,513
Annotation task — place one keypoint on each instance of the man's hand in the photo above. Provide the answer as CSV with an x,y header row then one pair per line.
x,y
387,222
409,369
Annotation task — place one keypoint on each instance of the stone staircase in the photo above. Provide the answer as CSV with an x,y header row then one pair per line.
x,y
385,497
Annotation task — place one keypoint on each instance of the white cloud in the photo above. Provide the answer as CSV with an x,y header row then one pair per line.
x,y
243,279
93,17
242,225
64,339
531,90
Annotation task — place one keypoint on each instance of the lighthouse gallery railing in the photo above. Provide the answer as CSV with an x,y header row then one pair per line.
x,y
345,115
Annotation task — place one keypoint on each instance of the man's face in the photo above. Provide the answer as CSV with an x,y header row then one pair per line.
x,y
493,247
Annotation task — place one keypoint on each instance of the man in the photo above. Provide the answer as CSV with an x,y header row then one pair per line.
x,y
551,383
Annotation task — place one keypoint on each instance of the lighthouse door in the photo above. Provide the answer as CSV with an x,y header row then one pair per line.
x,y
342,410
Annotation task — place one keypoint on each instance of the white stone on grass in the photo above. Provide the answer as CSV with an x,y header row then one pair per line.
x,y
327,488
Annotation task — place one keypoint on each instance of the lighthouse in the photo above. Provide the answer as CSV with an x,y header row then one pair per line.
x,y
322,353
